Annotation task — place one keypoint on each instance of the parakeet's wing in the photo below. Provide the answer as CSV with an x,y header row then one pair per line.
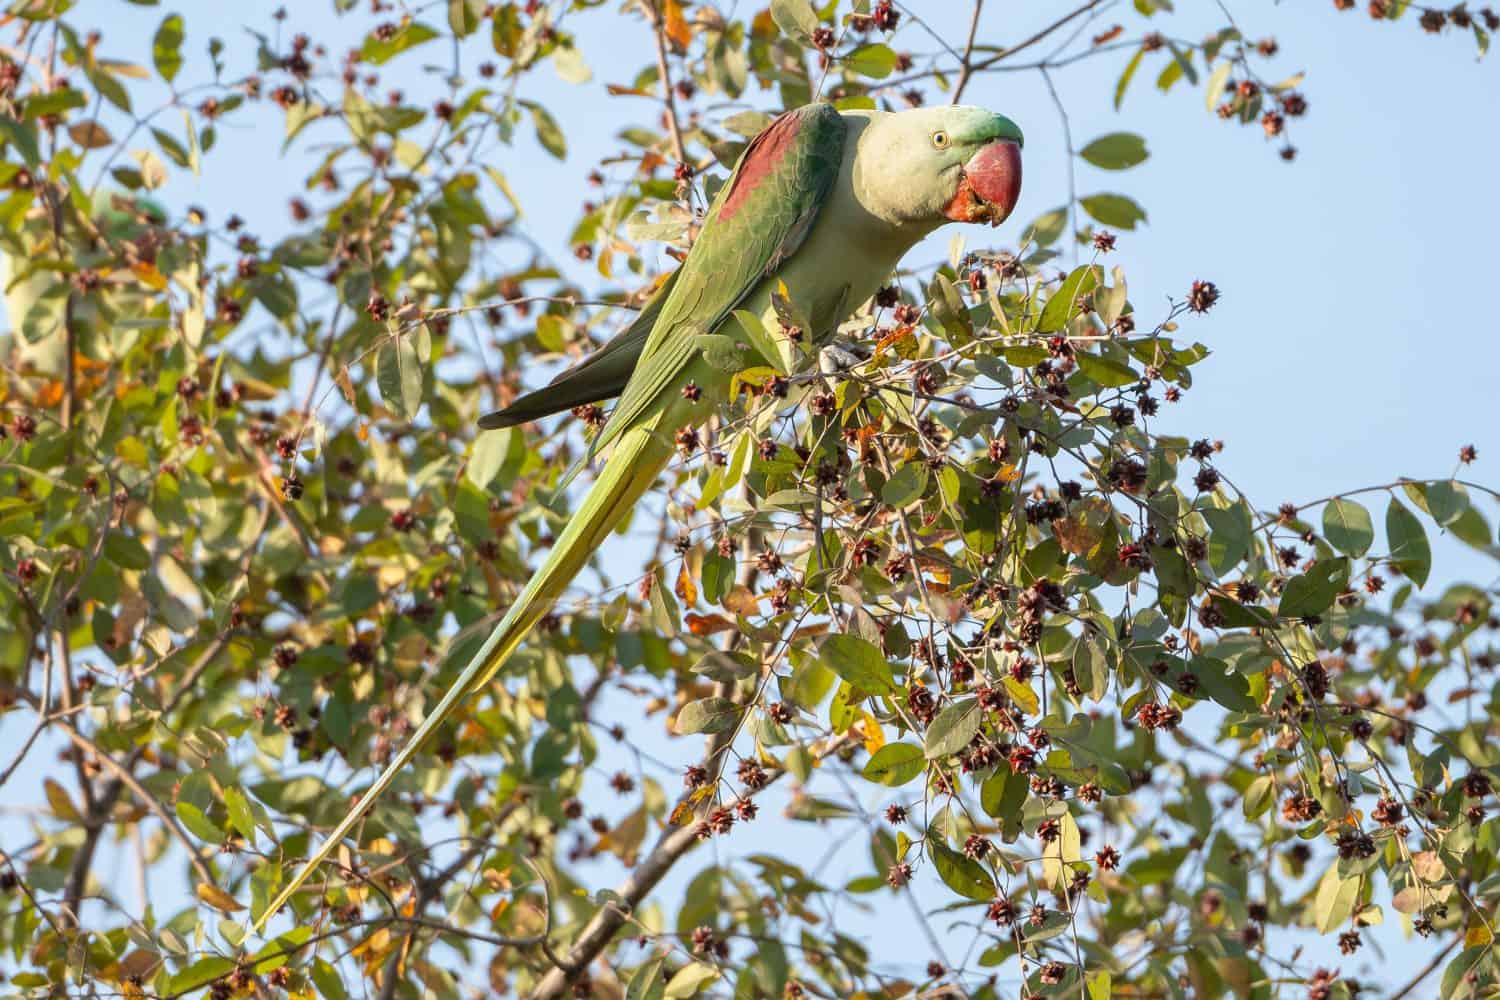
x,y
758,220
600,376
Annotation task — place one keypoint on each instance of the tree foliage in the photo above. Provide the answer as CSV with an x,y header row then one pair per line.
x,y
1133,732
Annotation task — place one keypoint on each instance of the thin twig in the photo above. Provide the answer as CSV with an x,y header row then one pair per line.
x,y
144,796
968,65
607,921
1426,970
658,28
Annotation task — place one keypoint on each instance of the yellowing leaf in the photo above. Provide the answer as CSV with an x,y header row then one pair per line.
x,y
218,898
150,276
341,378
57,798
1022,695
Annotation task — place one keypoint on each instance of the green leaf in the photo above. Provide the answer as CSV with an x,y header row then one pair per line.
x,y
108,87
398,373
199,974
1003,794
1227,687
1046,228
1408,541
724,353
126,551
876,61
198,823
1216,82
408,35
961,874
1058,856
895,764
298,116
1116,151
1106,371
907,484
1064,301
953,728
22,136
1184,63
690,979
276,953
43,318
647,983
1127,75
1259,797
755,332
487,456
326,978
1347,527
857,662
166,47
465,16
1114,210
548,133
1335,900
1314,592
795,18
708,715
1445,500
240,816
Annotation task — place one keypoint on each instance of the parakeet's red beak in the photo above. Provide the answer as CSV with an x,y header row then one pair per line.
x,y
991,185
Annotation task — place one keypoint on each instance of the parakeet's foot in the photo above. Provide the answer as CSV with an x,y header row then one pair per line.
x,y
842,356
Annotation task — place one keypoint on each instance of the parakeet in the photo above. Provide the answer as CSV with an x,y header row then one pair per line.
x,y
821,203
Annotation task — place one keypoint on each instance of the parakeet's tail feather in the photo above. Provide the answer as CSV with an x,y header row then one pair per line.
x,y
600,376
638,458
574,387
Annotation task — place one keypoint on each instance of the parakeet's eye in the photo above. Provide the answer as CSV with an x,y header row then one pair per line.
x,y
940,140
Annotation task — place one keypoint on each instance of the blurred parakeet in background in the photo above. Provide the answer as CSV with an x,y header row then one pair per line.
x,y
39,342
822,204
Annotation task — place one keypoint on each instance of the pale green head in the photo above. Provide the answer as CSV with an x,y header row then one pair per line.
x,y
928,166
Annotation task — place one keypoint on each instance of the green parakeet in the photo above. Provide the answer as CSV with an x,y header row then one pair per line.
x,y
821,202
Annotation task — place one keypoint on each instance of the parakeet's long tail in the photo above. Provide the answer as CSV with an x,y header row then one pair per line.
x,y
638,457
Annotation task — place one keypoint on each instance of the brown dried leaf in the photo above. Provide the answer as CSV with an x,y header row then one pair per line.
x,y
706,624
686,588
675,25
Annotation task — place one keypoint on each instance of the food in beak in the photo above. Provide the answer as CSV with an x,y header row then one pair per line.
x,y
991,185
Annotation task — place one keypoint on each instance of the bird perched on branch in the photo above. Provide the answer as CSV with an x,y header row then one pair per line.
x,y
820,208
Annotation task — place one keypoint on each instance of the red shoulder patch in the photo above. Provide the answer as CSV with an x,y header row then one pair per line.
x,y
765,151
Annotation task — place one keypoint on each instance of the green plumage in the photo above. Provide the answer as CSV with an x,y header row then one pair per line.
x,y
806,208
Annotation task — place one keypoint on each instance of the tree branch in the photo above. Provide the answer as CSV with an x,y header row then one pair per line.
x,y
606,923
653,11
144,796
1427,970
968,56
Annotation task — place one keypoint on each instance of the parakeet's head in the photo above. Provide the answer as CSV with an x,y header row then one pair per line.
x,y
932,165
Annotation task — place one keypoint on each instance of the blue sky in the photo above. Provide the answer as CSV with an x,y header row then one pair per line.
x,y
1355,340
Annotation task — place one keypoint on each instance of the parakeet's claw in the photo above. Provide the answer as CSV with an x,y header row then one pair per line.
x,y
842,356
